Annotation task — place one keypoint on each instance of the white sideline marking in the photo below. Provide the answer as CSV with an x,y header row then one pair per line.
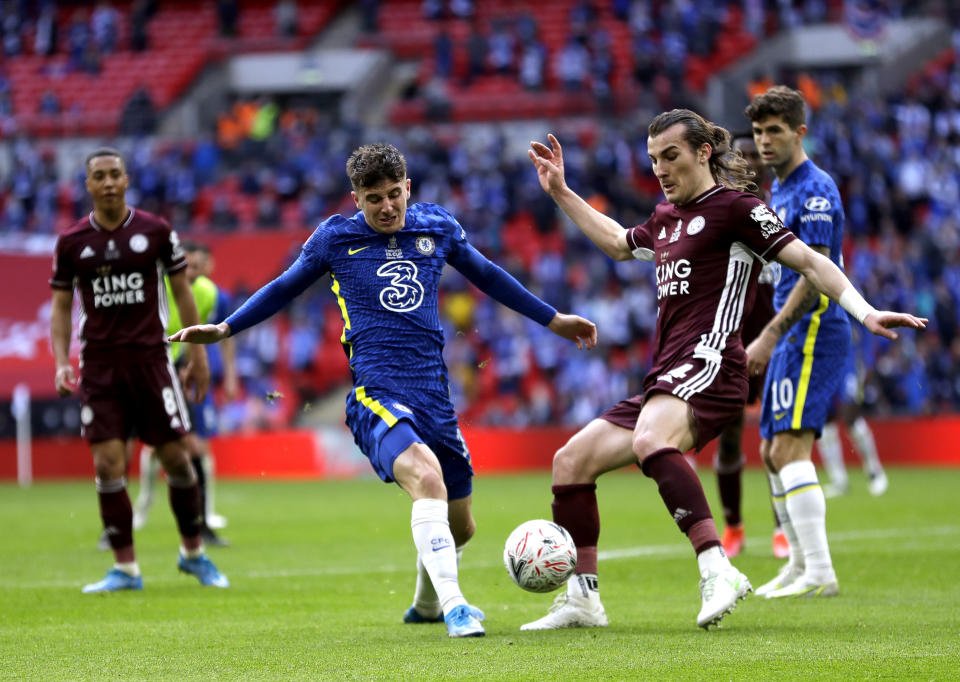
x,y
679,549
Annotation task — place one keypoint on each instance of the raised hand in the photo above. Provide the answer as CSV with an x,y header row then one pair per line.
x,y
882,321
549,164
578,329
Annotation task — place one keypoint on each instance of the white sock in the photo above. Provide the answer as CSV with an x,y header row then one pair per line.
x,y
866,446
129,567
780,506
712,561
584,585
434,543
191,553
807,509
831,453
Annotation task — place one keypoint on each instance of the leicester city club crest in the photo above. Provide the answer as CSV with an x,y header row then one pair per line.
x,y
425,245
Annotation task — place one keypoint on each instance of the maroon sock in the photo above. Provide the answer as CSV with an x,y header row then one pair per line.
x,y
729,482
186,505
682,493
575,508
117,515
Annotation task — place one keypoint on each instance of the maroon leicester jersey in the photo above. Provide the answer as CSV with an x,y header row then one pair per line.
x,y
119,276
706,254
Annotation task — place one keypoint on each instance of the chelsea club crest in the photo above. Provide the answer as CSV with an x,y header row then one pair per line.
x,y
425,245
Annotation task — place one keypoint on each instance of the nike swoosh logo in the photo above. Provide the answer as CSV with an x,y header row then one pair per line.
x,y
780,416
350,252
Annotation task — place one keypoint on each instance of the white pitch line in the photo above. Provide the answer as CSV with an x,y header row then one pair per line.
x,y
680,549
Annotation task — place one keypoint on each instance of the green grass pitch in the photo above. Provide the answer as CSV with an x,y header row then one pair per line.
x,y
322,571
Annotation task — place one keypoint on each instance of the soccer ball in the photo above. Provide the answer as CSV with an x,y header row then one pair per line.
x,y
540,556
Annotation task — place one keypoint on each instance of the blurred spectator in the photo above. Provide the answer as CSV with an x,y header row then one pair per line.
x,y
443,55
10,25
533,60
228,14
45,38
369,13
139,16
286,16
502,45
49,103
78,39
105,25
476,54
571,64
139,116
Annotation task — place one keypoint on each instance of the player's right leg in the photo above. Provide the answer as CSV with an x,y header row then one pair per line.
x,y
426,604
109,461
729,467
599,447
187,507
416,469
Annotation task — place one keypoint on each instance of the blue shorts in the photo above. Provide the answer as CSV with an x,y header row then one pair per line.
x,y
204,416
383,426
799,390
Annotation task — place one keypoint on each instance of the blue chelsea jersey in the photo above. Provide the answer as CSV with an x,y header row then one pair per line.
x,y
808,202
387,287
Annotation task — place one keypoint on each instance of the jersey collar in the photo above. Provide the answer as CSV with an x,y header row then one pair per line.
x,y
100,228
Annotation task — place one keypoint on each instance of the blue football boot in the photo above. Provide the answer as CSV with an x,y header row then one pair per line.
x,y
204,570
462,623
114,581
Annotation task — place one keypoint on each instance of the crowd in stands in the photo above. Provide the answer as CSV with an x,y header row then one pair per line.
x,y
267,167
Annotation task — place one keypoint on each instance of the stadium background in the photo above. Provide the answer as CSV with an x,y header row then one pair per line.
x,y
236,119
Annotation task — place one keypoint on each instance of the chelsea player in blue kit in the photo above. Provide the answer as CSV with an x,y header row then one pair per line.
x,y
385,263
806,344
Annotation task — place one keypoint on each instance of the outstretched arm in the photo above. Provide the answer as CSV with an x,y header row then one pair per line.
x,y
602,230
499,285
803,297
266,301
829,279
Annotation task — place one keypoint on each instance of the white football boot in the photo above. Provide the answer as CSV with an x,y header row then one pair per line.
x,y
789,572
573,608
720,593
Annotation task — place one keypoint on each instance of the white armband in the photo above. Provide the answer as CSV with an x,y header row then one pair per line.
x,y
851,301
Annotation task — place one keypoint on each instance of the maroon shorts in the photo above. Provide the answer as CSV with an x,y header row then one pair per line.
x,y
715,393
125,399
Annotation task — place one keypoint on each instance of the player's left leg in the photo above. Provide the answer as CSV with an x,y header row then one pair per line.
x,y
805,507
665,429
187,506
729,466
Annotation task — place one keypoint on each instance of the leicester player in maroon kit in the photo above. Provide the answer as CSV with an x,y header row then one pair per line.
x,y
116,258
706,239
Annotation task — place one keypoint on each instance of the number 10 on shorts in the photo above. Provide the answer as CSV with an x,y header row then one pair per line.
x,y
781,394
